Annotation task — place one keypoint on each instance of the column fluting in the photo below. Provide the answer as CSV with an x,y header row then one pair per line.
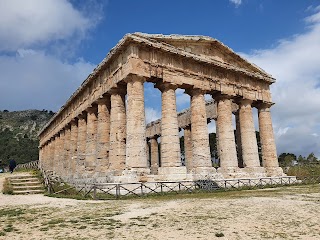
x,y
136,127
117,154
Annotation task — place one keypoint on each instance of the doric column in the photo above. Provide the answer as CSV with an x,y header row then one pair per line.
x,y
61,154
52,146
117,154
44,156
188,148
227,145
199,131
248,135
238,140
67,157
136,127
103,134
268,146
148,152
56,152
73,146
170,143
81,148
91,141
217,137
154,155
41,156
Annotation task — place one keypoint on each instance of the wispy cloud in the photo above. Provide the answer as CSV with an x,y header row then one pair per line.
x,y
237,3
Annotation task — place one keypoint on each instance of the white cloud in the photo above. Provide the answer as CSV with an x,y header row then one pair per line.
x,y
37,43
32,79
237,3
295,62
26,23
183,99
152,114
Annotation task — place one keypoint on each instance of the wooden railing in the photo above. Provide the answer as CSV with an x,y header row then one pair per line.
x,y
29,165
119,190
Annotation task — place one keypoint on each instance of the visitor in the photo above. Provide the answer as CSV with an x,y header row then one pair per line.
x,y
12,165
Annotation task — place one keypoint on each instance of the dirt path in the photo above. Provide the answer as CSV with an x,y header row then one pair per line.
x,y
282,213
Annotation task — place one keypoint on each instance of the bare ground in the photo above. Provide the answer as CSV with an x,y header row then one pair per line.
x,y
278,213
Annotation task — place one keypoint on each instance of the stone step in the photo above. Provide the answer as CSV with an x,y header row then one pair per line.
x,y
21,176
27,187
25,183
29,191
30,179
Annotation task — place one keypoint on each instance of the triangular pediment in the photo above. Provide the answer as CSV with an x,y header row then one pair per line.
x,y
206,48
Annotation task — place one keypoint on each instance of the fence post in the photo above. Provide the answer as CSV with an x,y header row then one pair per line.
x,y
117,190
141,187
94,192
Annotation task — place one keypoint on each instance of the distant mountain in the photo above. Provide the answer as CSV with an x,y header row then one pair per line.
x,y
18,134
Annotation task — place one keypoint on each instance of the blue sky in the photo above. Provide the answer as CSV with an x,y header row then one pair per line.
x,y
48,47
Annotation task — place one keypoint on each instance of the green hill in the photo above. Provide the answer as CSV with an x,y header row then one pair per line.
x,y
18,134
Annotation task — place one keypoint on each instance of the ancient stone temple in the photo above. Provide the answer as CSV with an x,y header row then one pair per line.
x,y
100,132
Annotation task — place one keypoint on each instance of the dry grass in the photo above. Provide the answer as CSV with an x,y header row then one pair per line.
x,y
277,213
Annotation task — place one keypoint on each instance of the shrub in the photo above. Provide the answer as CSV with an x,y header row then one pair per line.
x,y
7,187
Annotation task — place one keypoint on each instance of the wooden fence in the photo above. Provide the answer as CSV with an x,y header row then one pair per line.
x,y
139,189
29,165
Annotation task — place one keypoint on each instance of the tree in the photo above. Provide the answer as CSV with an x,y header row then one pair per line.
x,y
286,159
312,158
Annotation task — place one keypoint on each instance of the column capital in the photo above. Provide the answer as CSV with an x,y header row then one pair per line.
x,y
134,77
263,106
66,127
154,137
103,100
92,109
119,90
166,86
195,91
82,115
243,101
74,121
219,96
187,126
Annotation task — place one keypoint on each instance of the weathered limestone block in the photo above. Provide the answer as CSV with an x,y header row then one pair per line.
x,y
170,143
188,148
200,137
103,134
268,146
91,141
81,148
117,154
136,137
154,155
73,146
227,145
